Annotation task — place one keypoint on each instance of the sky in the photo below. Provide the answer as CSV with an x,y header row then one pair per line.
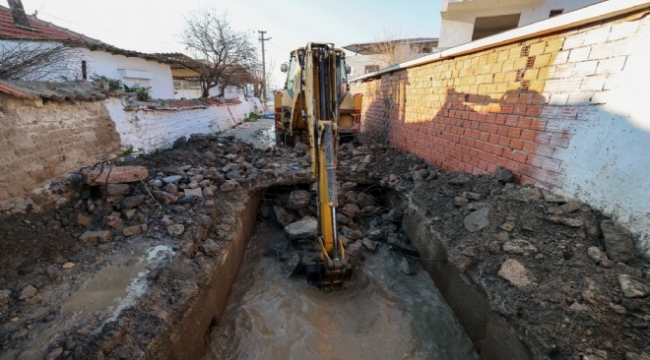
x,y
157,25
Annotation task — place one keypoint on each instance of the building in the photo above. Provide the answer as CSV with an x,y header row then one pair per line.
x,y
187,84
372,56
467,20
21,33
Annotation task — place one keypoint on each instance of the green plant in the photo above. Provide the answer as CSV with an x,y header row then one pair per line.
x,y
128,151
113,84
141,92
252,117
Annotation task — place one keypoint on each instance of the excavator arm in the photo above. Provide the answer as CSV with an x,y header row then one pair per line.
x,y
322,103
315,92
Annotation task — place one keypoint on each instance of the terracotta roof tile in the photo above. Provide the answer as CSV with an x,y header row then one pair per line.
x,y
41,30
45,31
67,91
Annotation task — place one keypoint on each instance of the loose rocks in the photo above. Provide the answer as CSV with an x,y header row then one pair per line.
x,y
95,236
283,216
519,247
176,229
477,220
27,292
618,242
303,229
513,271
5,295
298,199
632,288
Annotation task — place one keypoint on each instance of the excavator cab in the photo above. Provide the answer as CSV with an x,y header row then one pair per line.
x,y
315,107
289,122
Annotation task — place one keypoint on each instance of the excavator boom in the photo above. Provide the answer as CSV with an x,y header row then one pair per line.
x,y
310,106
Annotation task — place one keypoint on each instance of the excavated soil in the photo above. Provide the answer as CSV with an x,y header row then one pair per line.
x,y
538,258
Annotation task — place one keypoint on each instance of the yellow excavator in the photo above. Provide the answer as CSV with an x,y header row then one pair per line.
x,y
316,105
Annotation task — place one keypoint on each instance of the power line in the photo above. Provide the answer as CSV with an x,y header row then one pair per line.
x,y
97,29
279,47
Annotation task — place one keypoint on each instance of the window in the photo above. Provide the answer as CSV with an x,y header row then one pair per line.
x,y
292,76
371,68
84,70
131,82
490,25
555,12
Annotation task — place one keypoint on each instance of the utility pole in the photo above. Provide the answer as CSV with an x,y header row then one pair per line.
x,y
262,40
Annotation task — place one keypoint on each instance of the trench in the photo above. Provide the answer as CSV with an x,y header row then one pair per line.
x,y
380,314
435,314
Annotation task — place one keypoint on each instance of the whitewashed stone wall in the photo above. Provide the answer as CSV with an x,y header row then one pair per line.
x,y
148,130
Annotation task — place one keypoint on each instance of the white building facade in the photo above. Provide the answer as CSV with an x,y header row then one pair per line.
x,y
466,20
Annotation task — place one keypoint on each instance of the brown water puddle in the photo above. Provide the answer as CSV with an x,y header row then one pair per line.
x,y
111,289
382,314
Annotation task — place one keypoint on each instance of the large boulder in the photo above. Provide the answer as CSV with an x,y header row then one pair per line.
x,y
108,174
513,271
306,228
618,242
478,220
298,199
283,216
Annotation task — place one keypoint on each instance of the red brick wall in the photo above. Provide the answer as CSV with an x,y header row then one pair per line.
x,y
514,105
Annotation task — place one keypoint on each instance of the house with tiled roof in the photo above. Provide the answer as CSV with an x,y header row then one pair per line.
x,y
90,57
187,85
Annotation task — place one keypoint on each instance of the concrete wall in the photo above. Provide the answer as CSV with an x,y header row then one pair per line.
x,y
458,21
358,63
148,130
563,111
403,53
41,141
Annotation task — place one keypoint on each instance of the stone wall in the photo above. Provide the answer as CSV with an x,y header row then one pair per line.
x,y
147,130
562,107
42,140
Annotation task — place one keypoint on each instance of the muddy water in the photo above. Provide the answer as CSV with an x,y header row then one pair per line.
x,y
111,289
382,314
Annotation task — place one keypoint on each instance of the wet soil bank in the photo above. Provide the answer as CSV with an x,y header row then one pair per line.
x,y
562,277
492,336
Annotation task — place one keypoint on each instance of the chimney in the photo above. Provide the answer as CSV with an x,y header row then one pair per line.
x,y
18,12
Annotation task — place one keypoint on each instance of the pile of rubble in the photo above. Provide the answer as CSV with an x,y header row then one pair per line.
x,y
364,223
564,276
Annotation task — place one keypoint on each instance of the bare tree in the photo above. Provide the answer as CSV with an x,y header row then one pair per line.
x,y
38,61
235,75
258,78
222,51
387,48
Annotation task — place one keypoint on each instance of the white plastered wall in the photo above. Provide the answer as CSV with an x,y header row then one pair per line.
x,y
148,130
106,64
159,75
607,161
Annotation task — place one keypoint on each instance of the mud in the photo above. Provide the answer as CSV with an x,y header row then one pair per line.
x,y
381,313
570,306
